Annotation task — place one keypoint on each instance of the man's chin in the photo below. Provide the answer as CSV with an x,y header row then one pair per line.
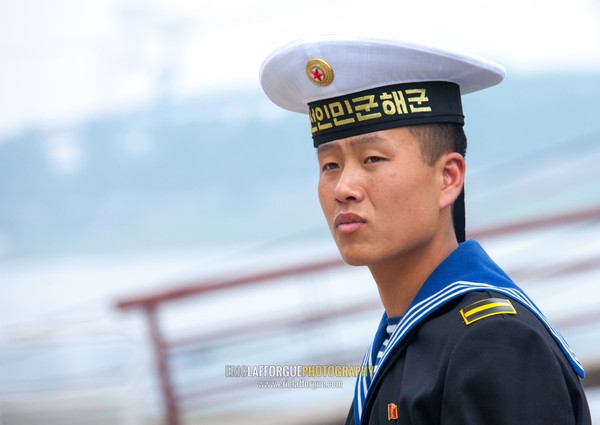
x,y
353,258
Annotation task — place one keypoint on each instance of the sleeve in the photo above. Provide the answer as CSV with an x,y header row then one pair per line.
x,y
502,372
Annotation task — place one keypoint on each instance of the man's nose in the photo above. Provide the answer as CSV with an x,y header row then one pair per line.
x,y
349,187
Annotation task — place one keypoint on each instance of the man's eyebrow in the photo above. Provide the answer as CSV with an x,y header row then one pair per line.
x,y
325,147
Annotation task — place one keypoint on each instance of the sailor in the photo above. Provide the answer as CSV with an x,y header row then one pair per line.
x,y
459,342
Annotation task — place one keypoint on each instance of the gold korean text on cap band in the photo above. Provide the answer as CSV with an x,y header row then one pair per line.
x,y
383,108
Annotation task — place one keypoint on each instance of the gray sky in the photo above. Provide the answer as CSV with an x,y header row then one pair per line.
x,y
63,60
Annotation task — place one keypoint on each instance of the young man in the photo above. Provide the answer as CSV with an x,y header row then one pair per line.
x,y
459,342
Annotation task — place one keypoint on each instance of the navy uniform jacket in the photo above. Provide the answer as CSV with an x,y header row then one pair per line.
x,y
503,369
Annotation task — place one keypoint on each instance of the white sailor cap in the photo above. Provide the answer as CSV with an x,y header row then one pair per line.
x,y
354,85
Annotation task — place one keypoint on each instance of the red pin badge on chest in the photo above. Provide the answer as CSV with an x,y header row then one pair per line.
x,y
392,411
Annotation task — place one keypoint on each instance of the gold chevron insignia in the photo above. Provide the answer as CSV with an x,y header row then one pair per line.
x,y
486,308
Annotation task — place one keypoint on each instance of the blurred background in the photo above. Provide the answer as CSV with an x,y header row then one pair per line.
x,y
159,218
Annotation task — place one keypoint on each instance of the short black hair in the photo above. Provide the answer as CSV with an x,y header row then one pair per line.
x,y
438,139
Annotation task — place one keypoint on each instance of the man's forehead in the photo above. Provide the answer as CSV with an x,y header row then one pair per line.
x,y
377,138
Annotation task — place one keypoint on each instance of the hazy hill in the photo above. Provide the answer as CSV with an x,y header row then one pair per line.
x,y
235,169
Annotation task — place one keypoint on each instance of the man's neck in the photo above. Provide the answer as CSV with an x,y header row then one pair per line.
x,y
400,279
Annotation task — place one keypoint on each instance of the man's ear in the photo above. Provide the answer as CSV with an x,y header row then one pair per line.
x,y
453,169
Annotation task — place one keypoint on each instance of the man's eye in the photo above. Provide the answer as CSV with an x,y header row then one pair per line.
x,y
372,159
329,166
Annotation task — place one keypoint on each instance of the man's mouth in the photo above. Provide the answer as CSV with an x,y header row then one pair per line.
x,y
348,222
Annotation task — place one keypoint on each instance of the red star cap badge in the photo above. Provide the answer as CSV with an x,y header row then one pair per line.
x,y
319,72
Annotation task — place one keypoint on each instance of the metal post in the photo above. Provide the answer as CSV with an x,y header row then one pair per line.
x,y
162,366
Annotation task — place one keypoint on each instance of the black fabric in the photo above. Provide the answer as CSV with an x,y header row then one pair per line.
x,y
459,217
501,370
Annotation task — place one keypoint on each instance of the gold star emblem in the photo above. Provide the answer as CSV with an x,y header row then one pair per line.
x,y
319,72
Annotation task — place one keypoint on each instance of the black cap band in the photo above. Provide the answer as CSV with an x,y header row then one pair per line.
x,y
382,108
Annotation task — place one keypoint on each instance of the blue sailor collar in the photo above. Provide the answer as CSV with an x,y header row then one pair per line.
x,y
467,269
